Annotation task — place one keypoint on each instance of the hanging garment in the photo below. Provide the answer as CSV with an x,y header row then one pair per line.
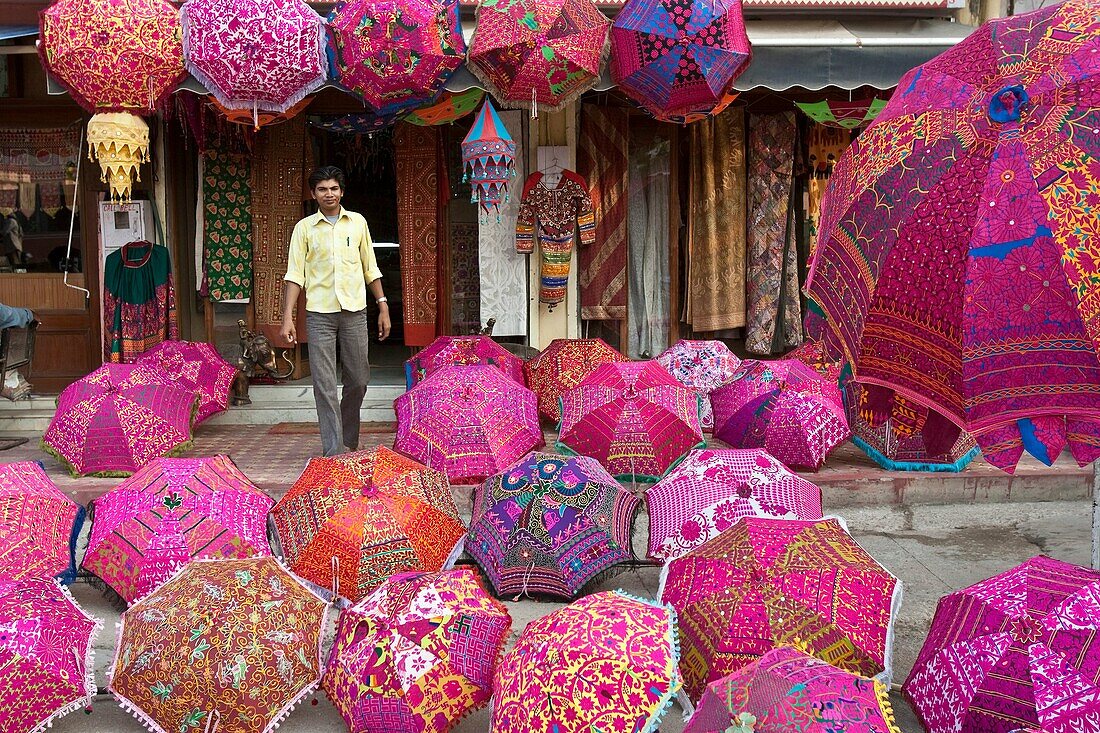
x,y
419,217
227,224
647,225
554,213
139,301
826,145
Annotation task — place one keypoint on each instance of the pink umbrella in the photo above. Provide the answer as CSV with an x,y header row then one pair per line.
x,y
632,417
38,525
712,488
461,350
170,512
197,367
470,422
702,366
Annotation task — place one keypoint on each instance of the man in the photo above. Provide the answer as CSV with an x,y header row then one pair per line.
x,y
332,258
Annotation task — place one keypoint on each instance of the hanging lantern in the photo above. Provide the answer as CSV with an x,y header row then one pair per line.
x,y
488,159
119,141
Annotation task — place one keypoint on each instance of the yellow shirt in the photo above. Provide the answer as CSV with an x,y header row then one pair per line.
x,y
332,262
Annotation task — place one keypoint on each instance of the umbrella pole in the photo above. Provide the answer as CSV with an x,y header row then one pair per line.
x,y
72,220
1096,515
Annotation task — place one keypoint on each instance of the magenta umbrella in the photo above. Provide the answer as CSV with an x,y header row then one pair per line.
x,y
197,367
702,366
39,525
461,350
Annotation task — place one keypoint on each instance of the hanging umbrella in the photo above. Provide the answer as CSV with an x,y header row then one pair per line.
x,y
702,366
256,118
357,123
784,407
788,690
39,525
607,662
550,524
229,645
461,350
563,365
678,58
118,418
364,516
170,512
47,652
470,422
633,417
538,52
196,367
1015,651
712,488
451,107
488,159
773,582
846,115
954,263
396,54
418,653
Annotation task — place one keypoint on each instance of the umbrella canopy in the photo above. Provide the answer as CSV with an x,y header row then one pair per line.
x,y
956,263
702,366
550,524
418,653
118,418
788,690
396,54
461,350
678,58
607,662
451,107
170,512
470,422
39,525
847,115
255,54
364,516
774,582
539,52
633,417
488,159
1018,650
714,487
784,407
231,643
47,654
197,367
563,365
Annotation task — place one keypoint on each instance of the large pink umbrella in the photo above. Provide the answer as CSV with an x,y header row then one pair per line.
x,y
632,417
470,422
712,488
461,350
198,367
702,366
39,525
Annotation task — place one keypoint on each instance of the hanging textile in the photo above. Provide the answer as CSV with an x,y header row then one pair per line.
x,y
826,145
503,273
465,293
46,155
716,248
139,301
416,150
602,151
227,224
551,215
49,198
647,226
774,311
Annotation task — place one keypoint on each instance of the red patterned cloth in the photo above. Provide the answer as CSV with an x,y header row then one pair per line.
x,y
552,214
418,222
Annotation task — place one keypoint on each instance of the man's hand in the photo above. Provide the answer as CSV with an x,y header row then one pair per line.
x,y
383,322
288,332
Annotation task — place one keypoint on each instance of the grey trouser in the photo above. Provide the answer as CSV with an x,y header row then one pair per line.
x,y
339,426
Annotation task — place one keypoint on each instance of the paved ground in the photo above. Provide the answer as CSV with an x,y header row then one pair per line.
x,y
937,535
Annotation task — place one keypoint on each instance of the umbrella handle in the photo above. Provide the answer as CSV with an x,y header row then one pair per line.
x,y
335,578
212,725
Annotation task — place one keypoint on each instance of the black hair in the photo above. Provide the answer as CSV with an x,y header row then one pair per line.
x,y
325,173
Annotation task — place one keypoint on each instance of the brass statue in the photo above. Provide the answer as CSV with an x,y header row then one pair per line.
x,y
257,359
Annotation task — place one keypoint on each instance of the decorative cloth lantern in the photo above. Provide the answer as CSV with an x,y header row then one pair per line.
x,y
489,159
119,141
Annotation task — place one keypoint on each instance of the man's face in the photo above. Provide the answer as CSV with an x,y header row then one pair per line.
x,y
327,193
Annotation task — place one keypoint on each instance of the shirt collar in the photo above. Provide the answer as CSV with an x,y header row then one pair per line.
x,y
319,217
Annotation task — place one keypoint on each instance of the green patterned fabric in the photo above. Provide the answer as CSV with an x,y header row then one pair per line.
x,y
227,225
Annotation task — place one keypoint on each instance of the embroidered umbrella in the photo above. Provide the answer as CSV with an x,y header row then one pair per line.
x,y
451,107
607,662
418,653
788,690
196,367
678,58
488,159
170,512
229,645
702,366
956,261
784,407
47,652
538,52
470,422
773,582
39,525
563,365
714,487
1018,650
364,516
839,113
633,417
118,418
396,54
461,350
550,524
357,123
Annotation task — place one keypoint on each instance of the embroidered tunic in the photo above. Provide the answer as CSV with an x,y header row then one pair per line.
x,y
139,301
